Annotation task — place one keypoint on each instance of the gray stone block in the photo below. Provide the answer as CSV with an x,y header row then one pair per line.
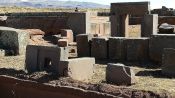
x,y
14,39
168,62
47,58
79,68
117,48
137,49
119,74
99,47
83,44
157,43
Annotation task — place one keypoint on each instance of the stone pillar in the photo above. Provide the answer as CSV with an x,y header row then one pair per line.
x,y
149,25
124,25
119,25
83,44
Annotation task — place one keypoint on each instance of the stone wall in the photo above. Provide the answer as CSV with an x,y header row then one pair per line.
x,y
50,22
159,42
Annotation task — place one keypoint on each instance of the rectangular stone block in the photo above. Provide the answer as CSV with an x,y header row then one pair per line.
x,y
63,43
84,44
168,62
79,68
119,74
2,53
99,47
149,25
159,42
13,39
117,48
39,58
68,34
134,8
137,49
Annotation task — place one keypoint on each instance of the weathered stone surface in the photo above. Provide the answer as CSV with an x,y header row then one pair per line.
x,y
2,52
51,22
79,68
134,8
99,47
34,31
3,20
149,25
117,48
168,62
157,43
68,34
47,58
13,39
166,29
63,43
119,74
83,45
137,49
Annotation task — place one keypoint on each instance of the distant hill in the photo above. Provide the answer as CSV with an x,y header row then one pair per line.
x,y
51,4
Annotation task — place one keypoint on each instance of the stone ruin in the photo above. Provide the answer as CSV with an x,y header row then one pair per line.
x,y
93,42
13,41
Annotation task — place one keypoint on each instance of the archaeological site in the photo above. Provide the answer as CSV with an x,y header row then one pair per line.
x,y
125,52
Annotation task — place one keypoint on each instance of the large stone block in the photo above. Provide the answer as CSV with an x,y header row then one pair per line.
x,y
119,74
68,34
117,48
63,43
47,58
13,39
83,44
149,25
157,43
79,68
168,62
134,8
99,47
137,49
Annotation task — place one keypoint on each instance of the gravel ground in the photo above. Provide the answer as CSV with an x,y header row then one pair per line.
x,y
148,79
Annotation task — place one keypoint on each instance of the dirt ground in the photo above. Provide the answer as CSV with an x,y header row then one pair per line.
x,y
150,81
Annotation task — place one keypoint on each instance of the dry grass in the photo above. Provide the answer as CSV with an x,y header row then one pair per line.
x,y
30,9
14,62
146,79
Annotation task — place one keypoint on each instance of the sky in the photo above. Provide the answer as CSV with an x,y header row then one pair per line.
x,y
154,3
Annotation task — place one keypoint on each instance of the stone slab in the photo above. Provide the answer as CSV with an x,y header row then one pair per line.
x,y
119,74
79,68
134,8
